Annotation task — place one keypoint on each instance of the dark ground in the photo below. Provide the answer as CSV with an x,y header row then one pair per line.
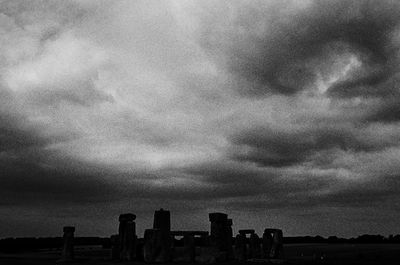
x,y
368,254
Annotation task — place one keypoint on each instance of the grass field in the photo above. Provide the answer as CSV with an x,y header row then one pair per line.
x,y
368,254
342,254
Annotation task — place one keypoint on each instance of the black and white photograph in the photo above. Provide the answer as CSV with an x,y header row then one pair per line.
x,y
234,132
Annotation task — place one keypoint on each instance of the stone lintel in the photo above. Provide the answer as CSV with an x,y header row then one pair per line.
x,y
69,229
127,217
247,231
218,217
194,233
272,230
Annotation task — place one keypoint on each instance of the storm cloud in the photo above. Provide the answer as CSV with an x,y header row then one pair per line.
x,y
282,110
286,47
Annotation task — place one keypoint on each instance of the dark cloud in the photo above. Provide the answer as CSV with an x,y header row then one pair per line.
x,y
296,46
372,84
383,190
19,136
350,199
176,135
37,184
238,181
280,148
386,112
14,138
28,175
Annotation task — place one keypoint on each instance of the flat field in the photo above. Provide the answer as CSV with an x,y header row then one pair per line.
x,y
296,254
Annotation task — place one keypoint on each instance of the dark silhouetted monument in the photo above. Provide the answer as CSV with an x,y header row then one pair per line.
x,y
187,253
68,244
255,247
230,238
240,250
159,244
272,243
115,251
158,241
244,247
127,237
221,235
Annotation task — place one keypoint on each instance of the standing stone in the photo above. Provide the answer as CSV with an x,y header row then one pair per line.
x,y
150,245
68,248
255,246
219,233
162,220
230,231
240,247
162,224
204,239
127,236
189,247
115,250
277,245
266,244
229,238
273,245
245,232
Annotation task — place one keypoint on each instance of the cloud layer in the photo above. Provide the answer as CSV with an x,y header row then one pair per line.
x,y
285,110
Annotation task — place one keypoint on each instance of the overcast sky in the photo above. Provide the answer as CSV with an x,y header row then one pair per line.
x,y
281,113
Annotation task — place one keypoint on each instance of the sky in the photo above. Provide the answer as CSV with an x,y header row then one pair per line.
x,y
280,113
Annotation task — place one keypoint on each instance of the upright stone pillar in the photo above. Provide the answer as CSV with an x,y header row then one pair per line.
x,y
240,247
230,231
190,249
266,244
127,236
219,234
229,238
277,244
150,246
68,247
162,224
162,220
115,250
255,246
273,245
